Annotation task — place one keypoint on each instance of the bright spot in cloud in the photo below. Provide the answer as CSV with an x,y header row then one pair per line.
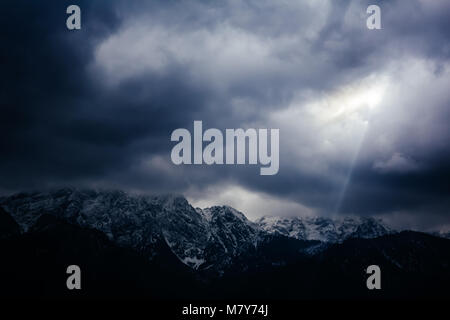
x,y
253,204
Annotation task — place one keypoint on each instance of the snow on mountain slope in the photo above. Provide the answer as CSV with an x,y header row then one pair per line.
x,y
324,229
131,221
231,228
441,234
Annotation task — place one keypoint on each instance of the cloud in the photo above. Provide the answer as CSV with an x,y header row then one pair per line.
x,y
396,164
363,115
254,204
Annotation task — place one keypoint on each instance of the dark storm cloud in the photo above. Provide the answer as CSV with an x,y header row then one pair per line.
x,y
59,123
97,106
42,83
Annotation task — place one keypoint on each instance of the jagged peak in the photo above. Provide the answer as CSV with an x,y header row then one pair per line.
x,y
328,229
221,211
339,219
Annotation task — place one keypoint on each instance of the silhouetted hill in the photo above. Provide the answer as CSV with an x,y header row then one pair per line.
x,y
35,264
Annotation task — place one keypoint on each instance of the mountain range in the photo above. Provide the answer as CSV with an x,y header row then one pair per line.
x,y
198,237
210,252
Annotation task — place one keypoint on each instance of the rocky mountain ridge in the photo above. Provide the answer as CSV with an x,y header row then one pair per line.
x,y
209,238
325,229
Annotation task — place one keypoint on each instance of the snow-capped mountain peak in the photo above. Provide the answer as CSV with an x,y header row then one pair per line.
x,y
223,211
324,229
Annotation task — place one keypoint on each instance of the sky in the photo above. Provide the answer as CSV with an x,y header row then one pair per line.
x,y
363,114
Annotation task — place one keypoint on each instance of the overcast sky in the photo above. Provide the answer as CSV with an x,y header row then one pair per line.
x,y
363,114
